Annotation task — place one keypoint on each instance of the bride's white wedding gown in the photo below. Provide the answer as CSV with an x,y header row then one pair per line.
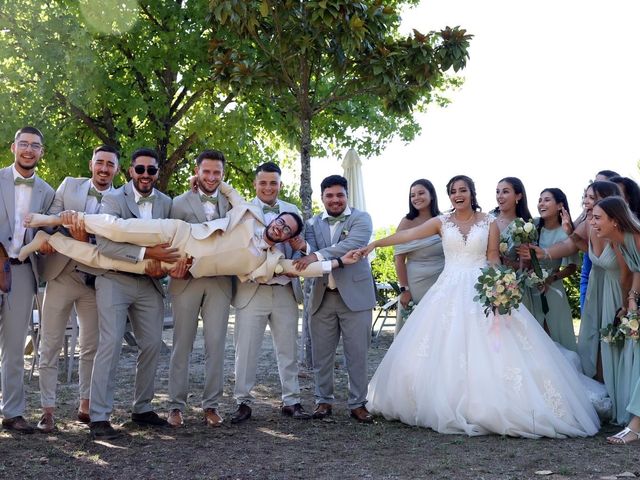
x,y
454,370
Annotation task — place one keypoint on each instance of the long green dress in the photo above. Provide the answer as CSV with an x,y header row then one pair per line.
x,y
604,297
511,254
425,261
630,358
559,319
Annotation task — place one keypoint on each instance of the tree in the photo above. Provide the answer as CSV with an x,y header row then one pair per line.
x,y
124,73
331,73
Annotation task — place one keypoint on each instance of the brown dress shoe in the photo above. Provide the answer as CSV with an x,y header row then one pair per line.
x,y
17,424
175,419
296,411
83,417
242,414
46,423
322,410
212,418
362,415
103,431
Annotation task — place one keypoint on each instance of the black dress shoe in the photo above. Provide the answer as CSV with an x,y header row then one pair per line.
x,y
150,418
295,411
103,431
323,410
242,414
18,424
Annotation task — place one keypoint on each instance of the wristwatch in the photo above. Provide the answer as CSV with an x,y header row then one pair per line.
x,y
404,289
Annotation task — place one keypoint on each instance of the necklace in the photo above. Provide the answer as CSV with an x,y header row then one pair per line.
x,y
473,214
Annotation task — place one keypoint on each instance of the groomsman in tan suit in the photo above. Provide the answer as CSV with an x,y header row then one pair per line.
x,y
208,297
138,296
68,287
341,302
21,192
273,302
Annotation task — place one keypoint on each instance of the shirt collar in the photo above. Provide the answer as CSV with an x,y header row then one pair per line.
x,y
137,195
213,195
17,174
346,213
93,185
262,204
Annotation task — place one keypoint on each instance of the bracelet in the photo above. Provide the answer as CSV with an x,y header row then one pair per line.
x,y
547,255
634,292
340,262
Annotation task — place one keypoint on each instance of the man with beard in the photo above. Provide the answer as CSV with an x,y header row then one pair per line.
x,y
341,302
138,296
68,287
208,297
22,192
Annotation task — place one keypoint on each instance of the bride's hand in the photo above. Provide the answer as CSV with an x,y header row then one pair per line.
x,y
364,251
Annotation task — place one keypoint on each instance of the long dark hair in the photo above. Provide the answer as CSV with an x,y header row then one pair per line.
x,y
470,185
605,188
433,207
632,193
617,209
560,197
522,206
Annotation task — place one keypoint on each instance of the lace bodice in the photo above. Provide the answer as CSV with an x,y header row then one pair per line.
x,y
465,249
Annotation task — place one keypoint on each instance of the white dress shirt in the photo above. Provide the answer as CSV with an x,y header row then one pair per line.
x,y
22,205
210,210
332,230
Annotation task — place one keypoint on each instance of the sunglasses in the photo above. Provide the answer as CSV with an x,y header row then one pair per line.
x,y
151,170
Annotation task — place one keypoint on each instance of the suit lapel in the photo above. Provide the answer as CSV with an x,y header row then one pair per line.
x,y
196,205
130,200
326,231
223,205
78,200
8,195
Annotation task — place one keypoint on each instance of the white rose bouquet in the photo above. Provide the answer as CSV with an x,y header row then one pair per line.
x,y
499,290
523,232
630,326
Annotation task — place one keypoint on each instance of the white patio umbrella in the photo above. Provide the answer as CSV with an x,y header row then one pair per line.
x,y
352,171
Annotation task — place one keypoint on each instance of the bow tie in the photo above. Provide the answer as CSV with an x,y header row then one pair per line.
x,y
268,209
24,181
95,193
148,199
334,220
207,198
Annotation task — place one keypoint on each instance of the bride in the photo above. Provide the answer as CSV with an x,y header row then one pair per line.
x,y
453,369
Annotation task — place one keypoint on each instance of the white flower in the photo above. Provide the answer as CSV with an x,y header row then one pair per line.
x,y
528,227
503,247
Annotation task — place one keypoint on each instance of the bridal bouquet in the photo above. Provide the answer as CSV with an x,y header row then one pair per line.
x,y
522,232
499,290
630,326
531,278
612,334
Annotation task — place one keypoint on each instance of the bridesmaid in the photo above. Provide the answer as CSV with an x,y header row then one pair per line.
x,y
558,322
612,219
418,262
604,293
512,203
631,193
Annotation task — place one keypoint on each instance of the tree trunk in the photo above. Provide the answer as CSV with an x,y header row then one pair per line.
x,y
305,166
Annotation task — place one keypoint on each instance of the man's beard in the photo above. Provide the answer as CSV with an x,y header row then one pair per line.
x,y
269,237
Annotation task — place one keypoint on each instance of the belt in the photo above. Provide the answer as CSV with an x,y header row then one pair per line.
x,y
332,290
15,261
128,274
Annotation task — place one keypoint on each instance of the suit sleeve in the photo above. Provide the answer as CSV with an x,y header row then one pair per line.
x,y
359,235
119,251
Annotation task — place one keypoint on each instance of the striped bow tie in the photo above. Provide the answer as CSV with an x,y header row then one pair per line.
x,y
334,220
268,209
207,198
95,193
24,181
148,199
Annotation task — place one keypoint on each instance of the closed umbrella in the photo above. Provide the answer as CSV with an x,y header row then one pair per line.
x,y
352,168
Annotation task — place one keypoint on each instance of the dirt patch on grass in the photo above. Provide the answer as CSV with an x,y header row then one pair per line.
x,y
270,446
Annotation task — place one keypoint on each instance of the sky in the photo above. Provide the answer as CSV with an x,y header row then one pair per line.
x,y
551,95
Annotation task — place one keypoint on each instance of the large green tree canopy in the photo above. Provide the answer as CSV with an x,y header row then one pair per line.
x,y
331,73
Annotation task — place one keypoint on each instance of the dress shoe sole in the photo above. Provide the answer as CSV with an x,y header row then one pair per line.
x,y
112,436
362,420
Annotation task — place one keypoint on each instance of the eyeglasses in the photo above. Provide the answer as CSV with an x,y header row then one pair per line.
x,y
286,229
151,170
36,147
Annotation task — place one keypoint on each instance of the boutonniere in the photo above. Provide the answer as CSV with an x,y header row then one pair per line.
x,y
345,233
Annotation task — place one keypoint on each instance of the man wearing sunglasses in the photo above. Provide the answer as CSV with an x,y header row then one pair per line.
x,y
138,296
22,191
272,302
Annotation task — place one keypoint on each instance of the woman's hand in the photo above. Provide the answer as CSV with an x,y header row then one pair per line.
x,y
567,226
405,298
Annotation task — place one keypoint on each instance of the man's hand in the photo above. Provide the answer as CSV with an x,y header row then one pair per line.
x,y
302,263
154,269
46,249
163,252
298,243
181,268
